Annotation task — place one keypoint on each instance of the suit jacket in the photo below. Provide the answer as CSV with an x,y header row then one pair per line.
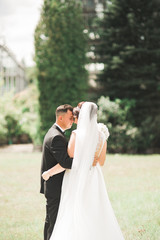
x,y
54,151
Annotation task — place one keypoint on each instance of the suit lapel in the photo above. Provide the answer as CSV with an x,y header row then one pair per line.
x,y
56,127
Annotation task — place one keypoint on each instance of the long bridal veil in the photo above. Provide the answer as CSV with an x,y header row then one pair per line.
x,y
85,212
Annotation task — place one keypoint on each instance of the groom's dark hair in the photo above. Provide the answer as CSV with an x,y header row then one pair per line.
x,y
63,109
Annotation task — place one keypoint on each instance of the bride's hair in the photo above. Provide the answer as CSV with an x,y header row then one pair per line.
x,y
93,110
76,110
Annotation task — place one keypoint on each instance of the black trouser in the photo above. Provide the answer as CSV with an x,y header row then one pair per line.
x,y
51,215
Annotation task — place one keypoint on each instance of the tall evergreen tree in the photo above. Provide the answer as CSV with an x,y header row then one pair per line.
x,y
130,50
60,46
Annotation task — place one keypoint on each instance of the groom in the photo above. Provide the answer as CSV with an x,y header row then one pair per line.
x,y
55,151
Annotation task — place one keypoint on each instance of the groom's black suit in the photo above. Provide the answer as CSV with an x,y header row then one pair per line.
x,y
54,151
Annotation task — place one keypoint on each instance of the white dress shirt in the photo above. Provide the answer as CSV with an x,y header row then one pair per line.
x,y
59,127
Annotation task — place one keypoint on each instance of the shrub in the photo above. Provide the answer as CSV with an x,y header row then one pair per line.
x,y
116,115
19,116
60,56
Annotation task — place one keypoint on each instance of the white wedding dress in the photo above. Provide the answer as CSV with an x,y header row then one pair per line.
x,y
85,212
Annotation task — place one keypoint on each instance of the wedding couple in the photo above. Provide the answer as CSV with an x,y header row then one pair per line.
x,y
78,207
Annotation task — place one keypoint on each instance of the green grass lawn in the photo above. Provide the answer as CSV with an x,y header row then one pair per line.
x,y
133,184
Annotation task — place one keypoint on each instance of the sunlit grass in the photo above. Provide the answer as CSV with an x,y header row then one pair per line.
x,y
133,184
22,208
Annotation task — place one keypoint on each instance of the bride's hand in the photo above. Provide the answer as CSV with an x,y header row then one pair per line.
x,y
45,175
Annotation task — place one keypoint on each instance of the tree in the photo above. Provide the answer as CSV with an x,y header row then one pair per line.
x,y
60,55
130,49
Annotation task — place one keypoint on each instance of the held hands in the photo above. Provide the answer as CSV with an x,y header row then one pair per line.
x,y
45,175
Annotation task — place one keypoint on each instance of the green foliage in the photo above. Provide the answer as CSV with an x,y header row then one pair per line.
x,y
130,37
124,136
3,131
13,127
149,136
131,51
5,110
31,74
116,115
19,117
60,47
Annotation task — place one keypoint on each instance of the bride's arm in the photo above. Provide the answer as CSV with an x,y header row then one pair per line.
x,y
52,171
71,145
102,157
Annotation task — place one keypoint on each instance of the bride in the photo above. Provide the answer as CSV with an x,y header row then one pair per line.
x,y
85,212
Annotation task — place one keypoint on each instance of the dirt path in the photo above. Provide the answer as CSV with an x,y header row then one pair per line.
x,y
17,148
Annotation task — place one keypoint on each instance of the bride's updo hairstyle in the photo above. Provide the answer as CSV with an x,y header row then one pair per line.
x,y
93,110
76,110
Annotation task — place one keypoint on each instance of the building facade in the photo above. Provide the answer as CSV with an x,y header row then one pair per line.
x,y
12,74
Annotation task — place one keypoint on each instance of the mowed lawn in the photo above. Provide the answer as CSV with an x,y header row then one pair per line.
x,y
133,184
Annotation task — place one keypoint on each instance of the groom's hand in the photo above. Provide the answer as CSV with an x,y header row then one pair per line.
x,y
45,175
